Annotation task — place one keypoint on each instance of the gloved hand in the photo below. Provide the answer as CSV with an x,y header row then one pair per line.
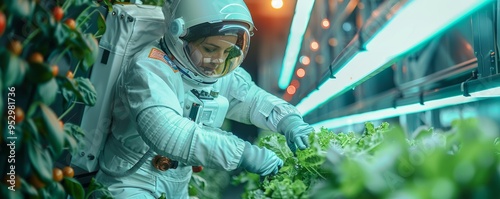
x,y
296,132
261,161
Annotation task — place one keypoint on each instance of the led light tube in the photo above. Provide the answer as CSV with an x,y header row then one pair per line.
x,y
298,27
366,60
407,109
415,23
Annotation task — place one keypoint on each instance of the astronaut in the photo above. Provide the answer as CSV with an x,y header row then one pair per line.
x,y
172,99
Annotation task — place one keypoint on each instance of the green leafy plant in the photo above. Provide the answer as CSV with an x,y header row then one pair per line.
x,y
383,162
462,162
34,37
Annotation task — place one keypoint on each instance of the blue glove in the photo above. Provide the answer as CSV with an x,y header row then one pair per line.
x,y
296,132
261,161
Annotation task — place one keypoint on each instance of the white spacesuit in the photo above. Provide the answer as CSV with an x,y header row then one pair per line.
x,y
171,100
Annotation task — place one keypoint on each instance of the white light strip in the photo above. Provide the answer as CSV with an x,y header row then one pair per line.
x,y
416,22
300,20
361,65
407,109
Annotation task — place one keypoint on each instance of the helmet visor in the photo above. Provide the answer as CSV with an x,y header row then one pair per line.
x,y
220,51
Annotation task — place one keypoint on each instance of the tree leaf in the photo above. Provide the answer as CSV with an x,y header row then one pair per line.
x,y
41,160
14,68
87,91
49,125
73,188
47,91
39,73
20,8
27,188
61,33
101,26
7,193
56,190
75,136
91,51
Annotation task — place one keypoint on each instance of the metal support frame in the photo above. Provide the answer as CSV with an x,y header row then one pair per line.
x,y
485,48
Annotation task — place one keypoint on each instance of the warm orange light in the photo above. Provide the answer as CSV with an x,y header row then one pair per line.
x,y
295,83
332,42
291,90
314,45
277,4
325,23
305,60
301,72
287,97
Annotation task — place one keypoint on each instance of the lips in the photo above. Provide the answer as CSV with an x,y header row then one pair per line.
x,y
208,68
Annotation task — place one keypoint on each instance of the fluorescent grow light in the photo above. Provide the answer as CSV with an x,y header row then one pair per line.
x,y
418,21
368,61
300,20
415,23
407,109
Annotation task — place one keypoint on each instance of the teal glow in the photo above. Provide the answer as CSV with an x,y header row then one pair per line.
x,y
300,20
407,109
344,78
418,21
415,23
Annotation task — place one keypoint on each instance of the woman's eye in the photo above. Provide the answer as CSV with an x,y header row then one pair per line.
x,y
209,49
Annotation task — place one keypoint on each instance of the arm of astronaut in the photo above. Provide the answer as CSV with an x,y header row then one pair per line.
x,y
250,104
183,140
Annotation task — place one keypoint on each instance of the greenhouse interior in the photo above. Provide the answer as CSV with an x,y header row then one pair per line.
x,y
361,99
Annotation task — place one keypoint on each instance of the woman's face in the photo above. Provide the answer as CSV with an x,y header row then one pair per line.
x,y
209,54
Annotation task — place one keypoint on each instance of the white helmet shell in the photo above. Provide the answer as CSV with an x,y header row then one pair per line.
x,y
207,39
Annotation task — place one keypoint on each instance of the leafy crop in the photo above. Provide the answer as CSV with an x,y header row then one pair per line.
x,y
383,162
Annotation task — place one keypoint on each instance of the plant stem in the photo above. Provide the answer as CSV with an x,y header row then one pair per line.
x,y
67,4
30,37
76,67
87,17
68,110
60,55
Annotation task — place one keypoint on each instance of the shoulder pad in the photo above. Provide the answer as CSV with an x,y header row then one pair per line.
x,y
158,54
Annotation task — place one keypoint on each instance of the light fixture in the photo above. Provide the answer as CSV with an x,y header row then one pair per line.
x,y
418,21
329,89
414,23
298,27
407,109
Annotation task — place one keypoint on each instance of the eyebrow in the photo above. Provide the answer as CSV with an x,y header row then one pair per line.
x,y
214,45
217,46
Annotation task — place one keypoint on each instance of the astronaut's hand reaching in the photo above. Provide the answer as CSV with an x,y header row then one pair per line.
x,y
296,132
261,161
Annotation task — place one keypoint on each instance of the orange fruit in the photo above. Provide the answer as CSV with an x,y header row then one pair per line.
x,y
68,172
15,47
70,74
3,23
55,70
19,117
36,182
70,23
58,13
61,123
36,57
57,174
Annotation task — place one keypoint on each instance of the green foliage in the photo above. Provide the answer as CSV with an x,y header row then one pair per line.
x,y
382,162
208,184
460,163
35,40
